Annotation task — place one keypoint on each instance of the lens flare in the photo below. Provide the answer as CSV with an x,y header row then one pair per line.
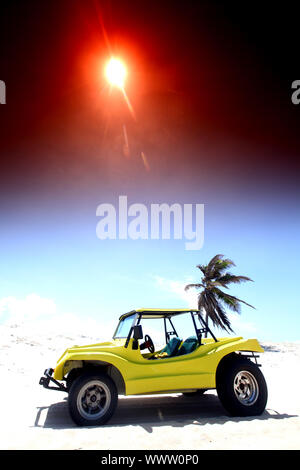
x,y
116,72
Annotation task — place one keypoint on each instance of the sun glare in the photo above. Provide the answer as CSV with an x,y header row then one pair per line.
x,y
116,72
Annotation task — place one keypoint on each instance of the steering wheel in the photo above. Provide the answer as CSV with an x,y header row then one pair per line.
x,y
148,344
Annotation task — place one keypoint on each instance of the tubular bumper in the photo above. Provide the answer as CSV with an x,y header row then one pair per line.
x,y
47,378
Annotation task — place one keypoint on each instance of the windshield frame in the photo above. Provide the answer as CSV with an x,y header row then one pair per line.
x,y
122,321
137,316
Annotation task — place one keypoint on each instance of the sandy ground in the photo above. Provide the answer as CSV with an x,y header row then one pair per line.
x,y
35,418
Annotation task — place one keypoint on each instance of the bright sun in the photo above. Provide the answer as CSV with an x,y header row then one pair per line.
x,y
116,72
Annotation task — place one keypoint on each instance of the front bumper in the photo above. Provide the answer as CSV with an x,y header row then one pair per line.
x,y
47,378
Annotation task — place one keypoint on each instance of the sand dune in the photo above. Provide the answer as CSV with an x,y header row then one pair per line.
x,y
35,418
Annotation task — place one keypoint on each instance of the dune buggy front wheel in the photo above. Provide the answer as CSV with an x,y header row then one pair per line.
x,y
92,399
242,388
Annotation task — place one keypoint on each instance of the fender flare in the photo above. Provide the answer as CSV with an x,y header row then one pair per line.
x,y
96,365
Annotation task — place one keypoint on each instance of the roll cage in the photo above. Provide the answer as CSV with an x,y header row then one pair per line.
x,y
137,315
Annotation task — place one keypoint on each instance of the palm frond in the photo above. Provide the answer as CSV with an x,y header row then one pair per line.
x,y
222,265
205,304
217,266
229,278
214,310
222,316
230,300
189,286
202,268
212,265
211,284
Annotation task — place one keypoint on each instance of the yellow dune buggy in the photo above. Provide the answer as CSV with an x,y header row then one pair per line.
x,y
173,361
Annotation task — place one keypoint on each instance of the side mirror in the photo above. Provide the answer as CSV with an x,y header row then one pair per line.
x,y
138,332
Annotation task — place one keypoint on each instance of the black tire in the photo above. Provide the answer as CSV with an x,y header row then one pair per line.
x,y
197,393
92,399
242,388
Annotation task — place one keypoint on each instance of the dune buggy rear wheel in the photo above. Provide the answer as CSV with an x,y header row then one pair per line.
x,y
242,388
92,399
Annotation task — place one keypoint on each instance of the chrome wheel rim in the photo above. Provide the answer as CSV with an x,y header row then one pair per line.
x,y
246,388
93,400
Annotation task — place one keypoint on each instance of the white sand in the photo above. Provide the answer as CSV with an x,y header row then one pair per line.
x,y
35,418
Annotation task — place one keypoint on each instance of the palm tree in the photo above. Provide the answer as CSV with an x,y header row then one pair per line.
x,y
212,299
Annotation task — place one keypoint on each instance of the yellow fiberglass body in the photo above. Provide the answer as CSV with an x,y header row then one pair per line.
x,y
141,375
132,364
